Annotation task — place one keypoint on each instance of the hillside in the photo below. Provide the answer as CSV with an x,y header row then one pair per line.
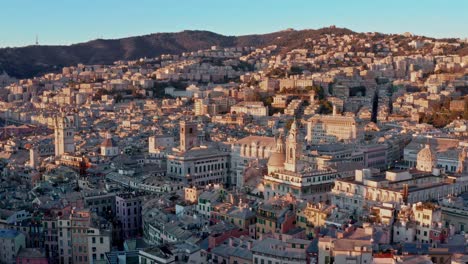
x,y
30,61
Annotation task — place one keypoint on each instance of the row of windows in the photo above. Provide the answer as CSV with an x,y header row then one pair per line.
x,y
208,161
208,175
128,203
129,212
101,240
97,202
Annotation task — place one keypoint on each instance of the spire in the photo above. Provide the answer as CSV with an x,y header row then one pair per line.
x,y
293,131
461,160
294,124
279,144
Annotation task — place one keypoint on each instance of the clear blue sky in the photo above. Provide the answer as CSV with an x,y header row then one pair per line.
x,y
72,21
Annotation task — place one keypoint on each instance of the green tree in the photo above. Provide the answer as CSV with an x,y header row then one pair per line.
x,y
289,124
319,92
326,107
294,70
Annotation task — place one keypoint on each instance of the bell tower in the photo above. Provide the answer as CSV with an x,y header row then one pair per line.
x,y
293,148
188,135
64,132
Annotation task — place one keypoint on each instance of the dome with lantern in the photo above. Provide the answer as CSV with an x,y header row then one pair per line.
x,y
426,159
277,158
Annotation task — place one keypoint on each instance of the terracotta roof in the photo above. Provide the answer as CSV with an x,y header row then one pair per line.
x,y
108,143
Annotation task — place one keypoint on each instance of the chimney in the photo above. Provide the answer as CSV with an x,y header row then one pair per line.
x,y
249,245
339,234
334,110
231,242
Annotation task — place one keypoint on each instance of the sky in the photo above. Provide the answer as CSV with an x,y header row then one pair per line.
x,y
57,22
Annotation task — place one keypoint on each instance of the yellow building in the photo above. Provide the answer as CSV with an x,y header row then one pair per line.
x,y
191,194
309,215
275,216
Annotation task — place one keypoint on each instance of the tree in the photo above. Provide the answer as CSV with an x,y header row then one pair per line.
x,y
289,124
294,70
269,100
319,92
97,96
325,107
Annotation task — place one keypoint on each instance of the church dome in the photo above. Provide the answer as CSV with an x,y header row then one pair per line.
x,y
276,159
426,159
108,142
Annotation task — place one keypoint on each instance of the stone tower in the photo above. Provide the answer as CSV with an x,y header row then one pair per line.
x,y
293,148
188,135
64,131
33,157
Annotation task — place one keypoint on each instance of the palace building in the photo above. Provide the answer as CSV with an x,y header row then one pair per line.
x,y
194,164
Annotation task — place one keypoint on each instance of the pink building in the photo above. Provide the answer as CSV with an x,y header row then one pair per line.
x,y
31,256
128,212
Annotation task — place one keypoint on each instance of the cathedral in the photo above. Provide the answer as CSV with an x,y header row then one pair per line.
x,y
289,174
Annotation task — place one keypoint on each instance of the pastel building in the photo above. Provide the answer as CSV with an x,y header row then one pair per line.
x,y
128,212
11,242
247,152
194,164
256,109
334,128
31,256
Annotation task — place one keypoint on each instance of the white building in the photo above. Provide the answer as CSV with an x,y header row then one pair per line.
x,y
157,143
64,131
271,250
449,154
256,109
195,164
334,128
98,244
108,147
394,187
247,152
